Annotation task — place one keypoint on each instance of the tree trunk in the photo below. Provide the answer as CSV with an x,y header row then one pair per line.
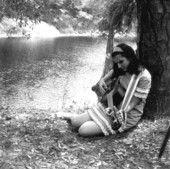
x,y
154,50
109,48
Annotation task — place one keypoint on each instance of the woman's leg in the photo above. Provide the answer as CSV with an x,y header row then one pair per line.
x,y
78,120
86,125
90,128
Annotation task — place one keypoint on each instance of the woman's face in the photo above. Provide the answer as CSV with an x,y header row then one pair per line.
x,y
121,62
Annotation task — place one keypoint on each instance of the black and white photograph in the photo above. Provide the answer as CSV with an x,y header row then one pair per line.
x,y
84,84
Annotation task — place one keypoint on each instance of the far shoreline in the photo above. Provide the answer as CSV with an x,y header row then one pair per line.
x,y
56,36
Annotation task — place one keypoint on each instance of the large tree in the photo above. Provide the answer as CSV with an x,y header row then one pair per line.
x,y
154,50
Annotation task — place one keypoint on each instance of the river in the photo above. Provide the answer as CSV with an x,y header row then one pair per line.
x,y
49,73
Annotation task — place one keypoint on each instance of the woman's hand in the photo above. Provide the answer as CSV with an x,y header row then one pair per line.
x,y
112,111
102,85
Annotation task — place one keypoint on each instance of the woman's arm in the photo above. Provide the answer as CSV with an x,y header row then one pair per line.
x,y
108,75
132,104
102,81
141,91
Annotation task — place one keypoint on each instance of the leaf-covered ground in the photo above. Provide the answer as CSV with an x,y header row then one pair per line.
x,y
36,139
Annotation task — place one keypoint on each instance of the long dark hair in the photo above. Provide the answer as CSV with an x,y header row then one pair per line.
x,y
128,53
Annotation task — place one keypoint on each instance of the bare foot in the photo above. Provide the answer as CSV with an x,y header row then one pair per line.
x,y
65,116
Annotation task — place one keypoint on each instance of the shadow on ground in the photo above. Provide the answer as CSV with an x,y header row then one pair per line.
x,y
39,140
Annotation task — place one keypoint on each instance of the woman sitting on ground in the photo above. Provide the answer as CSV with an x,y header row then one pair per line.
x,y
134,83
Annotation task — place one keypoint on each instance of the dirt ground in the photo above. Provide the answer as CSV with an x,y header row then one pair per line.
x,y
39,140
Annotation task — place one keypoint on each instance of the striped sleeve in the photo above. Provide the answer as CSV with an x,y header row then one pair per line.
x,y
144,85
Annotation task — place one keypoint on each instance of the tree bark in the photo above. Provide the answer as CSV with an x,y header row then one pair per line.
x,y
154,51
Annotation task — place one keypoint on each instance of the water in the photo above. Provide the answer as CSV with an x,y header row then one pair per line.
x,y
49,73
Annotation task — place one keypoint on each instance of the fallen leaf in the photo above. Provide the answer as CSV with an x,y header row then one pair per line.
x,y
104,163
74,161
128,141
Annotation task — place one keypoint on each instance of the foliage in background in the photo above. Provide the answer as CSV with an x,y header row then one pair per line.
x,y
122,12
60,13
73,15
